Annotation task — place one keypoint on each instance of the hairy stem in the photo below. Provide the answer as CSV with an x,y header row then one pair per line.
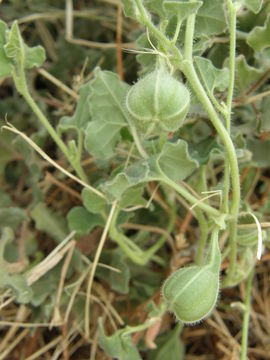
x,y
203,236
163,40
188,196
21,85
203,223
232,16
191,75
244,342
177,30
133,251
189,37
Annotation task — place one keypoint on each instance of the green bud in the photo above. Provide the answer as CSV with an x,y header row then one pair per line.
x,y
158,102
191,293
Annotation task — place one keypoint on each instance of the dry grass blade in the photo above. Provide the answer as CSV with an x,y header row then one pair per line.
x,y
56,314
11,128
14,343
93,269
50,261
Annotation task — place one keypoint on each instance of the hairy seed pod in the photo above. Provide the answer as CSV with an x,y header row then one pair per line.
x,y
191,293
158,102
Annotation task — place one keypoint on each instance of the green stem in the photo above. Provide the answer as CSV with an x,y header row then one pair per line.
x,y
203,223
80,145
177,30
232,15
163,137
203,236
189,37
203,179
213,258
21,85
163,40
189,197
134,252
189,71
244,343
192,77
136,139
23,90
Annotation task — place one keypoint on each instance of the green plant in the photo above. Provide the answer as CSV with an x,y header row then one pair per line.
x,y
165,123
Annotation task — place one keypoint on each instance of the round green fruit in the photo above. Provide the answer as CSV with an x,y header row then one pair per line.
x,y
158,102
191,293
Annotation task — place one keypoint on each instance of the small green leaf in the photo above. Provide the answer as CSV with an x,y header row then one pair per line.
x,y
5,62
93,203
82,221
248,237
81,116
107,94
7,151
51,223
118,281
212,77
254,5
175,161
265,118
156,6
259,37
245,75
132,176
181,9
13,51
168,345
19,284
243,267
119,345
14,47
16,281
203,150
133,197
130,9
259,149
12,217
5,199
147,60
210,18
34,56
45,287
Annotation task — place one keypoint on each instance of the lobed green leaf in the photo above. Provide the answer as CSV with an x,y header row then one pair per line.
x,y
119,345
259,37
106,101
253,5
51,223
212,77
175,160
210,19
82,221
5,63
16,281
181,9
81,117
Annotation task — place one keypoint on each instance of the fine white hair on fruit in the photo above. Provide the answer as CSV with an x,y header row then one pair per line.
x,y
191,293
158,102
